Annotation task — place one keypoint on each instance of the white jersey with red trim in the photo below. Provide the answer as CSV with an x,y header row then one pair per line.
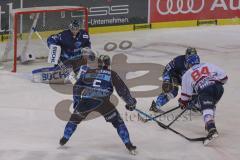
x,y
200,76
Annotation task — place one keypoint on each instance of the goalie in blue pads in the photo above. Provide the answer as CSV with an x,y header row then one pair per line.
x,y
65,50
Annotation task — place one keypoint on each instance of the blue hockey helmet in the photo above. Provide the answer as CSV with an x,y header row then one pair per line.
x,y
75,25
192,60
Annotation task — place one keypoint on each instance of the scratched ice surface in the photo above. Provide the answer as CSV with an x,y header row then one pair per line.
x,y
29,128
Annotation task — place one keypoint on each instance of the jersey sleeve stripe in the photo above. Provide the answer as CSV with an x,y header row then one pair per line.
x,y
185,95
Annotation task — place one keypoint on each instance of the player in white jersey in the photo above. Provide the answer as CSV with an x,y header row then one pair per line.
x,y
205,82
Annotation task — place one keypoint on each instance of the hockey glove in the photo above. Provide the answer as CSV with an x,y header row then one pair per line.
x,y
131,106
182,104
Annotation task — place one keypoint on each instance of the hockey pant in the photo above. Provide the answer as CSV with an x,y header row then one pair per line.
x,y
207,100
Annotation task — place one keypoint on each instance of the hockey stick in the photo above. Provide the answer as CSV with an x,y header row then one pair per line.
x,y
168,127
150,119
177,117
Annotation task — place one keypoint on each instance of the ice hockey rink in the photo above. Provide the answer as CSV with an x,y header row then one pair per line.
x,y
30,130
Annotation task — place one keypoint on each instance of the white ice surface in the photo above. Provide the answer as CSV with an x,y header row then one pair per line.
x,y
30,130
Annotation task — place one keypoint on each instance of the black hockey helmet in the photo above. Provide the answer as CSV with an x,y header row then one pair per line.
x,y
104,61
190,51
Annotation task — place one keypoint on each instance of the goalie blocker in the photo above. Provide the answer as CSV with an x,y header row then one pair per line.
x,y
54,54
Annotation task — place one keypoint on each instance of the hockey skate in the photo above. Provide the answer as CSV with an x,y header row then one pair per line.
x,y
63,141
212,134
154,108
131,148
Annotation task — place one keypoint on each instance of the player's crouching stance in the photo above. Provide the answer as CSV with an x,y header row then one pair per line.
x,y
206,81
92,92
65,52
172,78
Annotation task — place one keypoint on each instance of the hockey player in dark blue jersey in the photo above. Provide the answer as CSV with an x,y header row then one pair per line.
x,y
172,78
65,52
71,42
92,91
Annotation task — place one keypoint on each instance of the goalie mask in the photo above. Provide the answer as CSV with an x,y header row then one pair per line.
x,y
75,26
104,61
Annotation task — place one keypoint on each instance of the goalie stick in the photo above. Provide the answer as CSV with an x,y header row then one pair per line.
x,y
168,127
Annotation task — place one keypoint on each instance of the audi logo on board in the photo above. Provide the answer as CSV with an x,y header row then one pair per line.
x,y
173,7
179,6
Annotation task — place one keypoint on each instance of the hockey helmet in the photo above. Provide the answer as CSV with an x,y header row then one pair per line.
x,y
190,51
75,25
104,61
192,60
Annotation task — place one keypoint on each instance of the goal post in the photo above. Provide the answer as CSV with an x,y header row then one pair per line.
x,y
53,19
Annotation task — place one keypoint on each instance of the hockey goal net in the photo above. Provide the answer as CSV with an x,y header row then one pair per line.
x,y
30,28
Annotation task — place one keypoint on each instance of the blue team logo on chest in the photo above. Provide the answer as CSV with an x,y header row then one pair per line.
x,y
78,44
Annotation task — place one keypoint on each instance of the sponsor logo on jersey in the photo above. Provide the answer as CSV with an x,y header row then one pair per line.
x,y
78,44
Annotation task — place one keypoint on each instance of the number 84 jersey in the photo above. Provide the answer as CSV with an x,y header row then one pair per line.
x,y
199,77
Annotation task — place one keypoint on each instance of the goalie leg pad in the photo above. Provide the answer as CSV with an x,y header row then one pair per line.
x,y
49,75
